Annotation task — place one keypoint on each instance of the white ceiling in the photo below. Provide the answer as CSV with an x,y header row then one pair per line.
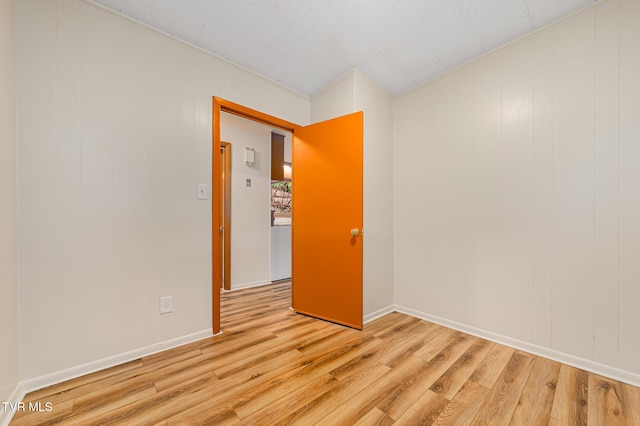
x,y
306,44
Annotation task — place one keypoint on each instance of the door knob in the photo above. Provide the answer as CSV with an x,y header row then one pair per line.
x,y
355,232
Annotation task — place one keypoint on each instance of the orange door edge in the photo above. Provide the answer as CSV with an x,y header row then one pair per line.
x,y
347,324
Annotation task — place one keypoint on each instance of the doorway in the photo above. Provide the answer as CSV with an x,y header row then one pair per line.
x,y
326,256
260,238
220,106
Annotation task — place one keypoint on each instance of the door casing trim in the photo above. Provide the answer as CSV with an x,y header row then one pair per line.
x,y
226,213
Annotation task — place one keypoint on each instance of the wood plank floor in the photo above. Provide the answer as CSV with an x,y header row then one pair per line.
x,y
271,367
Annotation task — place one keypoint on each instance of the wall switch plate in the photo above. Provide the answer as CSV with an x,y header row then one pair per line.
x,y
202,191
166,305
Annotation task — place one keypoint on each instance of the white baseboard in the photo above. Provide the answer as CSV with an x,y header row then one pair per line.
x,y
7,414
377,314
574,361
242,286
90,367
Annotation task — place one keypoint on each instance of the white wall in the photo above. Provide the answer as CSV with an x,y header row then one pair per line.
x,y
280,253
250,206
517,191
114,125
355,92
335,100
8,205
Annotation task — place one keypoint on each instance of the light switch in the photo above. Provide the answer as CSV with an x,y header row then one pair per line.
x,y
202,191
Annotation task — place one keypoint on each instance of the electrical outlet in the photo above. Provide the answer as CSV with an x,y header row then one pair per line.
x,y
166,305
248,182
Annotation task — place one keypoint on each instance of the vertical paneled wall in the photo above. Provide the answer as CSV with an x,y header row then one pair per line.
x,y
629,186
573,186
378,192
8,206
517,188
38,202
114,125
355,92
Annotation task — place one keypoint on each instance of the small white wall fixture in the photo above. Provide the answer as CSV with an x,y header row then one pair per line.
x,y
249,157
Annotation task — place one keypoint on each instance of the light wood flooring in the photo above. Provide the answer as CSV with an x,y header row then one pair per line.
x,y
271,367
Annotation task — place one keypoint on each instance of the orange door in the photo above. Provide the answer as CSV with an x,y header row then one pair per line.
x,y
327,220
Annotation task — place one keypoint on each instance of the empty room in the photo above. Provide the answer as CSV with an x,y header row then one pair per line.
x,y
457,242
